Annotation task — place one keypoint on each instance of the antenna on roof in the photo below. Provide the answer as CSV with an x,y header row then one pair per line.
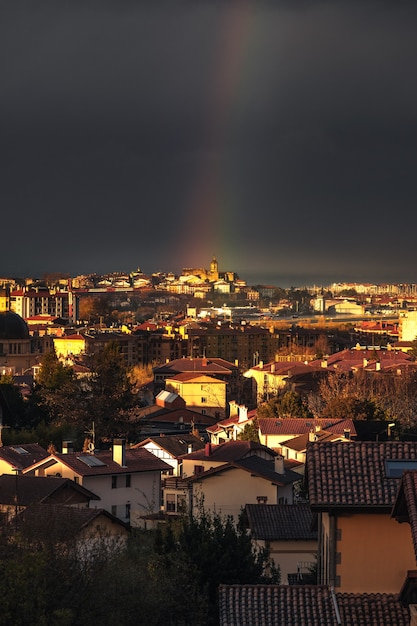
x,y
92,442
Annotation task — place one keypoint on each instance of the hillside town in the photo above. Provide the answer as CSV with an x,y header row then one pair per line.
x,y
138,409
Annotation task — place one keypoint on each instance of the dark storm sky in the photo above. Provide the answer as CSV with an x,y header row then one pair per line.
x,y
279,136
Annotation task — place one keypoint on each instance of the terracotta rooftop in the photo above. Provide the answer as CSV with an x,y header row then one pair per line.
x,y
281,522
175,445
301,426
43,521
196,366
32,489
306,605
255,466
229,451
356,474
24,455
101,463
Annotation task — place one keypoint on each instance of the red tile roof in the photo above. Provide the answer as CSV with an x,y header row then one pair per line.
x,y
301,426
354,474
137,460
281,522
24,455
306,605
229,451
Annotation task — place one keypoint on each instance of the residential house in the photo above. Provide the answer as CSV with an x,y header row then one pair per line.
x,y
170,448
87,532
20,458
128,482
214,367
20,491
302,605
247,472
233,426
352,486
202,393
287,530
295,448
274,432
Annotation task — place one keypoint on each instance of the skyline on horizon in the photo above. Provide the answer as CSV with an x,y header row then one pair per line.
x,y
279,137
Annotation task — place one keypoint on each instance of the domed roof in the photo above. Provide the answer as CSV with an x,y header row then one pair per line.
x,y
12,326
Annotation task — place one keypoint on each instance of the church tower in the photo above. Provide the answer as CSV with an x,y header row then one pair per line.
x,y
214,269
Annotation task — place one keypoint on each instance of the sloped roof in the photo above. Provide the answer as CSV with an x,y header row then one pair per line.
x,y
175,445
254,465
196,366
24,455
354,474
137,460
281,522
186,377
60,522
301,425
306,605
229,451
32,489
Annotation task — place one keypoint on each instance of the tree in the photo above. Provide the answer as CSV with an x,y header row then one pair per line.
x,y
250,432
218,552
57,394
110,392
288,404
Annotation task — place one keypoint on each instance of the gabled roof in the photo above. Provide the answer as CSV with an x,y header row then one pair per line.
x,y
60,522
188,377
281,522
255,466
229,451
354,474
175,445
30,489
101,463
301,425
196,366
24,455
306,605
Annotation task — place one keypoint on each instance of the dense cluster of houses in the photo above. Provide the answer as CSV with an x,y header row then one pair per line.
x,y
321,495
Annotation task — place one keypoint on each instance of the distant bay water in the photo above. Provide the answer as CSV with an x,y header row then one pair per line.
x,y
299,281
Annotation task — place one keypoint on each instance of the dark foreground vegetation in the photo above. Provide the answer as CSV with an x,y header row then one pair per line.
x,y
168,576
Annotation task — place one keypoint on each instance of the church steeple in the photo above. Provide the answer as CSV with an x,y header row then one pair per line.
x,y
214,269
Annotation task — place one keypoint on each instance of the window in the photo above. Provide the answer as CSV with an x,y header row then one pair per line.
x,y
127,512
198,469
394,468
170,502
114,482
114,510
203,400
128,480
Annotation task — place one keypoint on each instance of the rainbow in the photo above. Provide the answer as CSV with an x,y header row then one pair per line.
x,y
211,207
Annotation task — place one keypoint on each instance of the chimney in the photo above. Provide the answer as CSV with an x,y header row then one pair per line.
x,y
189,448
365,362
324,363
378,366
207,449
67,447
312,435
279,464
346,433
119,452
272,368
